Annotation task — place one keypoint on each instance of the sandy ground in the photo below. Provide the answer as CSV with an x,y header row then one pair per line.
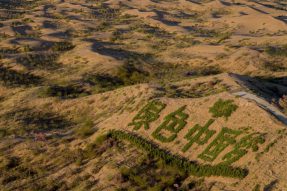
x,y
181,52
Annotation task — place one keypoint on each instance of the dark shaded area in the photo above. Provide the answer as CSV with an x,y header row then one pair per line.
x,y
195,1
64,92
270,88
46,61
278,6
226,3
111,49
270,186
259,10
32,120
68,34
277,50
22,30
105,82
12,78
50,25
47,8
161,17
153,173
282,18
14,4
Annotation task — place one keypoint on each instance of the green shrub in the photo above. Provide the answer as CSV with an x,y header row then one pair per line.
x,y
173,123
223,108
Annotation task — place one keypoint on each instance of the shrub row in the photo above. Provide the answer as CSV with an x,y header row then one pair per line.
x,y
182,163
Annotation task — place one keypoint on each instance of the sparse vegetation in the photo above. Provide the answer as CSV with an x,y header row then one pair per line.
x,y
62,46
39,61
12,78
86,128
70,70
29,120
103,82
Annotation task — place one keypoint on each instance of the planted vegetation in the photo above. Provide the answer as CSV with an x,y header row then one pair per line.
x,y
178,161
248,142
147,114
173,123
223,108
195,134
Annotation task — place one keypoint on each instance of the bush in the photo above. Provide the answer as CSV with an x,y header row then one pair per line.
x,y
131,75
223,108
86,129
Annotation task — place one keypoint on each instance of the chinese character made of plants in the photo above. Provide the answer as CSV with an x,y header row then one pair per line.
x,y
147,114
172,124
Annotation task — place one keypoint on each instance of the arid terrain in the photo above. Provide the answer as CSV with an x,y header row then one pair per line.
x,y
135,95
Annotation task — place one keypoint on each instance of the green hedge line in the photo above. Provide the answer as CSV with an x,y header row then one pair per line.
x,y
182,163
